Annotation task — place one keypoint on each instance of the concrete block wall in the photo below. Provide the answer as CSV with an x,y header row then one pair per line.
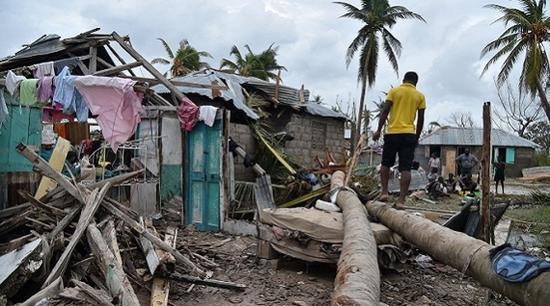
x,y
242,134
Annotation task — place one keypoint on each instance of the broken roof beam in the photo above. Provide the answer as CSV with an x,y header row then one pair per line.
x,y
128,48
120,59
117,69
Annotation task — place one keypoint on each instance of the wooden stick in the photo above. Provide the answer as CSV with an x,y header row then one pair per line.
x,y
485,210
93,202
207,282
63,223
116,279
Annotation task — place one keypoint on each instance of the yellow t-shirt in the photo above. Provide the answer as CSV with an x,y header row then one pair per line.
x,y
406,100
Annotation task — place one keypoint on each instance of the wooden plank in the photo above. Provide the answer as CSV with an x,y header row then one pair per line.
x,y
450,163
92,204
63,223
117,281
160,289
485,226
117,69
502,230
98,295
104,62
57,161
151,255
143,198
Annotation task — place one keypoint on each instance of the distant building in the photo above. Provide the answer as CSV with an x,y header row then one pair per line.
x,y
449,142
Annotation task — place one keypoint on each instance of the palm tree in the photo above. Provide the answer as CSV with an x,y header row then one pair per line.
x,y
187,59
262,65
378,17
317,99
527,30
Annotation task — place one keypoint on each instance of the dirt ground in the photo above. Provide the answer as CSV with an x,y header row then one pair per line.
x,y
287,281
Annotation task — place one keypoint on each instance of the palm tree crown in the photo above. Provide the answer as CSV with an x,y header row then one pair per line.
x,y
262,65
528,27
186,59
378,17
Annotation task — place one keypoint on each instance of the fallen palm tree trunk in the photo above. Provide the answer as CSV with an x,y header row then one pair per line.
x,y
456,249
358,278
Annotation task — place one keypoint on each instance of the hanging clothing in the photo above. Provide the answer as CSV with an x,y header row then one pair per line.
x,y
44,69
4,113
27,92
188,114
116,104
12,83
207,114
71,63
67,95
45,91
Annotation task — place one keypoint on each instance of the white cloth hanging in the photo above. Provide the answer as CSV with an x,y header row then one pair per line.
x,y
13,81
44,69
207,114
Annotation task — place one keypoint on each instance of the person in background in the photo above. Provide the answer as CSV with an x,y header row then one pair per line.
x,y
434,163
499,167
401,137
466,163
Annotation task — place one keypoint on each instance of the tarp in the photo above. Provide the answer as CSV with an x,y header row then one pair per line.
x,y
319,225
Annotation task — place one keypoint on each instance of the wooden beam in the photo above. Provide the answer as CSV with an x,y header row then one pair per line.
x,y
109,234
120,59
128,48
92,65
98,295
57,161
160,289
47,170
42,206
104,62
92,204
63,223
485,210
117,69
116,279
155,240
50,291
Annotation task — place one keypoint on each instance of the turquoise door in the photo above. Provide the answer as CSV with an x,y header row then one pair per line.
x,y
204,147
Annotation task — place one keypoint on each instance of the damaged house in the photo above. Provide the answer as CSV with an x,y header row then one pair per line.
x,y
449,142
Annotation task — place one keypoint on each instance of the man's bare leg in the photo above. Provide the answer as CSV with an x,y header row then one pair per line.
x,y
384,178
404,189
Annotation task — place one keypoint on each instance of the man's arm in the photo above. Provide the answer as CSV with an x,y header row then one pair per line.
x,y
382,119
419,124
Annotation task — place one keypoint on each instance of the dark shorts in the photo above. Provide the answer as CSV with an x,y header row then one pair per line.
x,y
401,144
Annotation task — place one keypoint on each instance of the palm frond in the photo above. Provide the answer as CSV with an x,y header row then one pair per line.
x,y
167,48
160,60
368,60
352,11
357,43
394,42
390,54
229,65
509,62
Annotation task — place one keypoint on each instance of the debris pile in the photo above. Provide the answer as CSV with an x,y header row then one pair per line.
x,y
76,245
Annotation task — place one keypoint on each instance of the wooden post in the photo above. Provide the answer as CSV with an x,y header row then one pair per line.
x,y
485,210
92,65
278,85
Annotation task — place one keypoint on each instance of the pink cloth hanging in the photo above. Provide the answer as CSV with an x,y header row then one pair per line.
x,y
116,104
188,114
45,91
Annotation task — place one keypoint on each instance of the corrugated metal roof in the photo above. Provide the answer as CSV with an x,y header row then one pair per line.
x,y
454,136
287,95
320,110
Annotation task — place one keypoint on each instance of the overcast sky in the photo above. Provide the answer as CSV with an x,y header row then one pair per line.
x,y
312,39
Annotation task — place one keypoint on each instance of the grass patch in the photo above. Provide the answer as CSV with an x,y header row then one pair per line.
x,y
539,215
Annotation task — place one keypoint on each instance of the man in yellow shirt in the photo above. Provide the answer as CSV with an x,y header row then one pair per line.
x,y
401,137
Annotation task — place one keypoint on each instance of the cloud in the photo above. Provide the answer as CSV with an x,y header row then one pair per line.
x,y
312,40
